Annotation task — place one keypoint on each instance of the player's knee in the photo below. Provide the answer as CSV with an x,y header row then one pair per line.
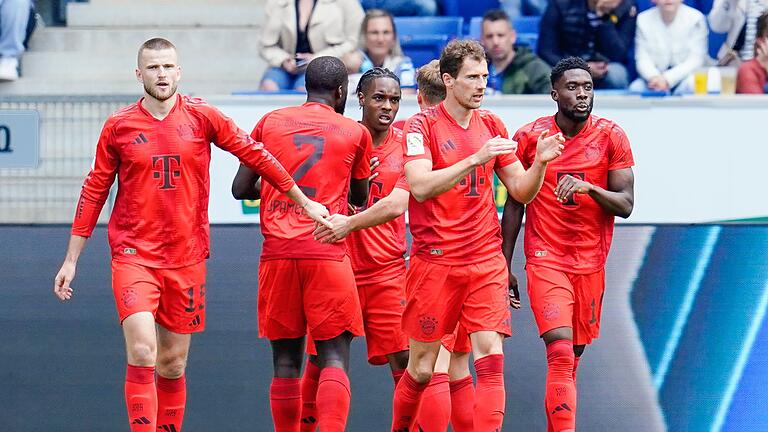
x,y
422,374
171,367
487,343
142,354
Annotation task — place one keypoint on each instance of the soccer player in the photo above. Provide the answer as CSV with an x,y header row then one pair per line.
x,y
159,149
458,273
569,229
303,284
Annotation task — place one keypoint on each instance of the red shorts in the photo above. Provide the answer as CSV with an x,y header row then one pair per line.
x,y
440,296
300,295
561,299
458,341
176,297
382,304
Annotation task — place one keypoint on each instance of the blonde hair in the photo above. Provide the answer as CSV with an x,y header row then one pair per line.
x,y
430,83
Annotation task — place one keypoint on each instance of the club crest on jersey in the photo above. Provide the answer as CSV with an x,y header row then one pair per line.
x,y
428,324
414,144
592,151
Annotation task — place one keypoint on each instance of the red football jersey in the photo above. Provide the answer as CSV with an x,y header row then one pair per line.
x,y
573,236
378,253
160,217
461,225
322,150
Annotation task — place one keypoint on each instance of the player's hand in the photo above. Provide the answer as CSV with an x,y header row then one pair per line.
x,y
495,146
374,164
339,229
569,185
514,291
549,148
317,212
63,278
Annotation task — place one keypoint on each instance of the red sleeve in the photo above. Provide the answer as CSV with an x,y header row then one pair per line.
x,y
416,139
226,135
522,146
96,186
751,78
619,153
361,167
402,183
501,130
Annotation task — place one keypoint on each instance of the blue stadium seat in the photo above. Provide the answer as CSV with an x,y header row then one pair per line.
x,y
527,24
468,9
423,38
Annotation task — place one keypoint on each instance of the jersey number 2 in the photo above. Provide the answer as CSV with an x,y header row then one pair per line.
x,y
318,147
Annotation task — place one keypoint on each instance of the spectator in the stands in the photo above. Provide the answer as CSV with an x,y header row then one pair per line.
x,y
379,47
14,17
403,7
513,69
599,31
671,43
325,28
518,8
739,19
753,74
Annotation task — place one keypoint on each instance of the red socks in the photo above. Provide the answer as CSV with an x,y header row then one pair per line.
x,y
561,390
406,403
490,397
285,401
141,398
309,395
171,401
435,409
397,374
462,404
333,396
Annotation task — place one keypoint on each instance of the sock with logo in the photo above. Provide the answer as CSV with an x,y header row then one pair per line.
x,y
309,396
171,402
397,374
490,397
333,396
141,398
462,404
435,409
285,401
406,402
561,390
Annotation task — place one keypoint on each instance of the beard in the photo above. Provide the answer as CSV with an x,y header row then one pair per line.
x,y
156,94
577,116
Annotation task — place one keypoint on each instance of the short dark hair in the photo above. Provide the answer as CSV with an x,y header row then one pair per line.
x,y
762,25
430,83
370,75
496,15
325,74
456,51
566,64
156,44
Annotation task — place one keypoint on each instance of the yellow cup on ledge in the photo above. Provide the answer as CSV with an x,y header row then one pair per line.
x,y
700,77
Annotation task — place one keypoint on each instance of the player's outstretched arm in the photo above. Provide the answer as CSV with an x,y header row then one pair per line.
x,y
383,211
246,184
426,183
511,221
523,185
618,200
316,211
66,273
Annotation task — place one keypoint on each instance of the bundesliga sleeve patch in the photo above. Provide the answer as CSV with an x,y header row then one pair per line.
x,y
415,144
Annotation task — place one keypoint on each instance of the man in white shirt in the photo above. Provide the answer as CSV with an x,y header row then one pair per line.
x,y
670,44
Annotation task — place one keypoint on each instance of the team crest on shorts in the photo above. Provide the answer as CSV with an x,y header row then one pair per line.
x,y
428,324
129,297
551,311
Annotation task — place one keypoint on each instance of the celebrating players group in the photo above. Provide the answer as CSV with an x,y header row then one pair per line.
x,y
333,197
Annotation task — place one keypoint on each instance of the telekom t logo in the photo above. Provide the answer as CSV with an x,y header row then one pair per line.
x,y
169,166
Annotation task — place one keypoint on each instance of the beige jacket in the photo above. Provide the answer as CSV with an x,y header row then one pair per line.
x,y
333,29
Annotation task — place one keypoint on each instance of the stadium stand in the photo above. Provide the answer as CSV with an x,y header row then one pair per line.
x,y
423,38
